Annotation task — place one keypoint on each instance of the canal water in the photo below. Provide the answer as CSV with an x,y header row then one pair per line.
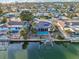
x,y
36,51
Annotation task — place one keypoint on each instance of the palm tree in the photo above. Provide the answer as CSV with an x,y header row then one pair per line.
x,y
9,33
27,16
33,31
33,26
23,33
4,20
1,11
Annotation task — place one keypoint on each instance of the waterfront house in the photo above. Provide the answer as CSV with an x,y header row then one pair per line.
x,y
3,29
42,27
71,27
15,25
74,24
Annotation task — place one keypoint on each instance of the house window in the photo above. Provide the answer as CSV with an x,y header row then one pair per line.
x,y
38,29
42,29
46,29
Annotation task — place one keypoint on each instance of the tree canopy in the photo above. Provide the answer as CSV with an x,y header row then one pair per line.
x,y
1,11
26,16
4,20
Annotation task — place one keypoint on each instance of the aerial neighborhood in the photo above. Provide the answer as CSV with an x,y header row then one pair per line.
x,y
39,29
39,21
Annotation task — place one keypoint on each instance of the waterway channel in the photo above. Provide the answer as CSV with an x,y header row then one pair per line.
x,y
36,51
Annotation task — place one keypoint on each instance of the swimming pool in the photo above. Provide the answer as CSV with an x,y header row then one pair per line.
x,y
42,33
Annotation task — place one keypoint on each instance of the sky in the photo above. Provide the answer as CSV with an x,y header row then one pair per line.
x,y
6,1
